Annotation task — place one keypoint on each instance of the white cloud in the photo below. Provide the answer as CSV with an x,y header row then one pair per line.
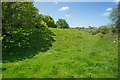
x,y
106,14
67,15
56,2
64,8
109,9
117,0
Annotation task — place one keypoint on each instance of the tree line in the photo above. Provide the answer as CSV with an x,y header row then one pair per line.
x,y
22,24
113,28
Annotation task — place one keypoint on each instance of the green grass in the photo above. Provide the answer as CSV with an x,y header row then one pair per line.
x,y
74,54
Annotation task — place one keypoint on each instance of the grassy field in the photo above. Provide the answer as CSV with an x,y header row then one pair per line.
x,y
74,54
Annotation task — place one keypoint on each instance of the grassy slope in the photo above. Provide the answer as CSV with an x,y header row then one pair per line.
x,y
74,54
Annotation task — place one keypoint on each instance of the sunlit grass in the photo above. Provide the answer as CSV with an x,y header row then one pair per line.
x,y
74,54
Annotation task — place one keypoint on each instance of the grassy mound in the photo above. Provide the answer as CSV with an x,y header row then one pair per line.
x,y
74,54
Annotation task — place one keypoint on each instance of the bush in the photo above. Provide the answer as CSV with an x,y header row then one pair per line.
x,y
103,29
21,23
49,21
112,28
99,34
15,21
80,28
110,35
61,23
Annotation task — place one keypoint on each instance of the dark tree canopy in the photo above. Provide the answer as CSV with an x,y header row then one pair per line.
x,y
17,14
23,26
61,23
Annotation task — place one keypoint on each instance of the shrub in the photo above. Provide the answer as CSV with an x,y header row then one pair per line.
x,y
93,33
110,35
49,21
61,23
22,26
80,28
103,29
99,34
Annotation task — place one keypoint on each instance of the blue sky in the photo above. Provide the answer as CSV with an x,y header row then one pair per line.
x,y
78,13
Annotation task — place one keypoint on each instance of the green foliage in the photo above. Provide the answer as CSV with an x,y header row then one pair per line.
x,y
71,57
49,20
39,22
92,31
103,29
118,20
99,34
80,28
110,35
22,25
90,27
76,54
61,23
114,14
18,14
16,17
112,28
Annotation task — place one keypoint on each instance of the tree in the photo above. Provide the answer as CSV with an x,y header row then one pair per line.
x,y
114,14
103,29
90,27
115,17
61,23
112,28
21,24
118,20
49,20
15,17
39,22
17,14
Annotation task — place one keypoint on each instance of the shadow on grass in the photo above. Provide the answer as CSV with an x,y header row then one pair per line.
x,y
37,42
